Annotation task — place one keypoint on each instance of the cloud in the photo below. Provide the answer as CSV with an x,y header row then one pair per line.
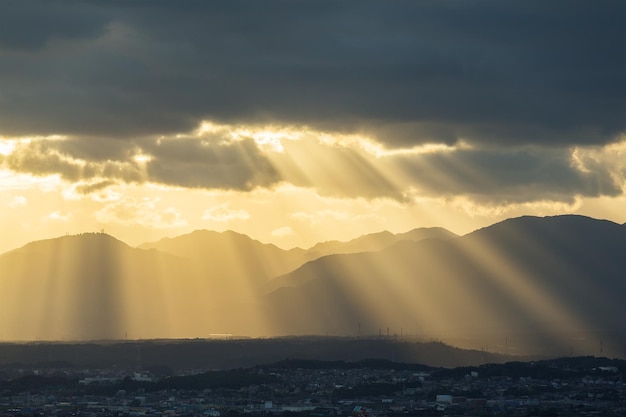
x,y
46,22
130,211
510,175
408,72
494,104
321,216
282,231
487,174
183,160
50,157
223,213
209,163
93,187
247,157
97,189
18,201
57,215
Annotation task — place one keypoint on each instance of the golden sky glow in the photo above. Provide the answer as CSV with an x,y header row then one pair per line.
x,y
324,187
156,119
392,118
302,186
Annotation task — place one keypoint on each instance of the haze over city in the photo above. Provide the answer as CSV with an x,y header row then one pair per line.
x,y
188,157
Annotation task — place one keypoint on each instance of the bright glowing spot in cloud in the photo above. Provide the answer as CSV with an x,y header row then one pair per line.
x,y
377,149
282,231
207,127
142,159
223,213
269,140
6,147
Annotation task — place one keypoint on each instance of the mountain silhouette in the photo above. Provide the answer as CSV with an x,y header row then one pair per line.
x,y
89,286
554,282
367,243
237,264
93,286
376,241
539,279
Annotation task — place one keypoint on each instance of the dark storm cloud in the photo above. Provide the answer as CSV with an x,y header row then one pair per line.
x,y
190,162
430,71
487,176
497,176
97,149
208,162
46,157
40,158
216,161
30,25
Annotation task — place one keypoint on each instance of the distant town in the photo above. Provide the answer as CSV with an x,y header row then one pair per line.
x,y
577,386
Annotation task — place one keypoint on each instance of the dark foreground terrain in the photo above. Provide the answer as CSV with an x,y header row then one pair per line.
x,y
581,386
183,355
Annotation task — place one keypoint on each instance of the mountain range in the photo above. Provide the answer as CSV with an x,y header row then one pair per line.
x,y
553,282
517,285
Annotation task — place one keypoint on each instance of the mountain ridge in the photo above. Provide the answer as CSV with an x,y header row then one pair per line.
x,y
520,275
527,274
377,241
67,237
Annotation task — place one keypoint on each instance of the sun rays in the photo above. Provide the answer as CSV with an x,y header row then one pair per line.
x,y
294,186
486,288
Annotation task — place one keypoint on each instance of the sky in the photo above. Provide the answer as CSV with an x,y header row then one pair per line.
x,y
297,122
